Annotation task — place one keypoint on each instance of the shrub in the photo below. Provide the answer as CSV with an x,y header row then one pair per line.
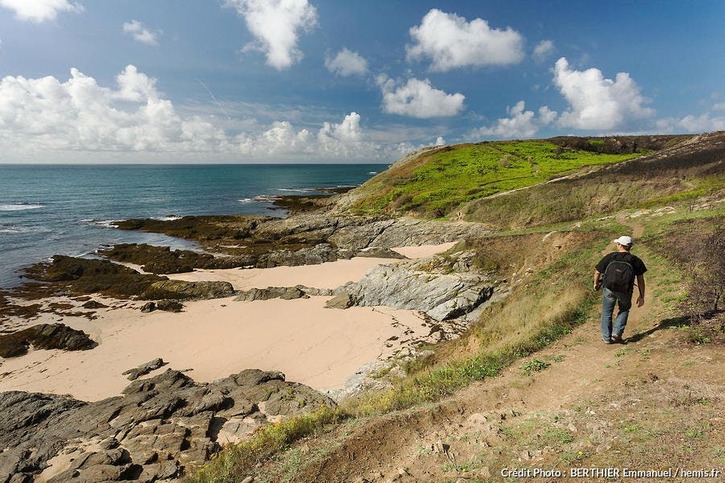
x,y
707,285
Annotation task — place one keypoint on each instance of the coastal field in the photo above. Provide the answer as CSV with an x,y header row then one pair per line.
x,y
379,335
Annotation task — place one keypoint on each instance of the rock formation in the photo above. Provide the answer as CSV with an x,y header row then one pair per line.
x,y
44,336
415,285
155,431
181,290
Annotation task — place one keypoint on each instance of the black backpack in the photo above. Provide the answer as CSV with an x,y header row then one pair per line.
x,y
619,276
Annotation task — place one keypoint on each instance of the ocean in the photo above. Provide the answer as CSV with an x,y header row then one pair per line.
x,y
68,209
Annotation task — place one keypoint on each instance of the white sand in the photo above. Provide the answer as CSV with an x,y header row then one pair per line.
x,y
313,345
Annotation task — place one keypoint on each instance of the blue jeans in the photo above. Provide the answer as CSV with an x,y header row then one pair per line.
x,y
610,299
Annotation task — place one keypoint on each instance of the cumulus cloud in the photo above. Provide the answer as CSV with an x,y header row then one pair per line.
x,y
333,141
39,11
141,33
520,123
80,115
346,63
692,124
595,102
417,98
440,141
451,42
76,117
543,49
276,24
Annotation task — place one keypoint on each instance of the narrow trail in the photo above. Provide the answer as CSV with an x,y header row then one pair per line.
x,y
433,443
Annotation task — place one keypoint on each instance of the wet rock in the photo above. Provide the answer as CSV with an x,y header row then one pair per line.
x,y
169,305
181,290
161,260
144,369
44,336
148,307
285,293
87,276
165,305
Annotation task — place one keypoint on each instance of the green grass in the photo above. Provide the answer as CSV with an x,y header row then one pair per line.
x,y
452,177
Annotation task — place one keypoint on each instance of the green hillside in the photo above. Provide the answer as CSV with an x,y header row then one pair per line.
x,y
440,180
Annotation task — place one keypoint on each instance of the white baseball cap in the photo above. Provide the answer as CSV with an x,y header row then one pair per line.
x,y
624,240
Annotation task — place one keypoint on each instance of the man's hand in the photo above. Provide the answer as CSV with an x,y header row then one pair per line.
x,y
597,285
640,301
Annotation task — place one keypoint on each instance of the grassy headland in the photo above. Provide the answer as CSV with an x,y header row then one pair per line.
x,y
439,180
553,406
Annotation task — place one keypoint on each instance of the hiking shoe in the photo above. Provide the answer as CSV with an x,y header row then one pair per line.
x,y
617,339
607,341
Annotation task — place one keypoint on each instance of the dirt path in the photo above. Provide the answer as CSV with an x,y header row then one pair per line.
x,y
572,414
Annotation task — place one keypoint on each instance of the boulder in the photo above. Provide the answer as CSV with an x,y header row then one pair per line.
x,y
165,305
181,290
143,369
169,305
343,300
285,293
409,285
44,336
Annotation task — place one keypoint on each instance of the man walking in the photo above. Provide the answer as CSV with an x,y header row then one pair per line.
x,y
615,274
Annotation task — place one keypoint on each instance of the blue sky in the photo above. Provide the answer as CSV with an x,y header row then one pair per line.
x,y
345,81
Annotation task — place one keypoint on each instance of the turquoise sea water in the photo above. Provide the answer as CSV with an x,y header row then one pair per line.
x,y
47,210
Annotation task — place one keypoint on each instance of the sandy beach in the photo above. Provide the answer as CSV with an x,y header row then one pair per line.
x,y
323,348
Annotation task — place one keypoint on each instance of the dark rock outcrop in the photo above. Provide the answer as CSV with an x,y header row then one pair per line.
x,y
154,431
87,276
181,290
165,305
44,336
164,260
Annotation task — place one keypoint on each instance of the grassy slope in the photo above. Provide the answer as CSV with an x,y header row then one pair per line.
x,y
442,179
382,430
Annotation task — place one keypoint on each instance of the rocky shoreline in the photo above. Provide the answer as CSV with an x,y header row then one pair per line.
x,y
163,425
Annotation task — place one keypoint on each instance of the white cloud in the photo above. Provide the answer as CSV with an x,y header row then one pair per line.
x,y
595,102
141,33
417,98
79,115
48,119
39,11
717,107
276,25
440,141
451,42
333,141
520,123
543,49
692,124
346,63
